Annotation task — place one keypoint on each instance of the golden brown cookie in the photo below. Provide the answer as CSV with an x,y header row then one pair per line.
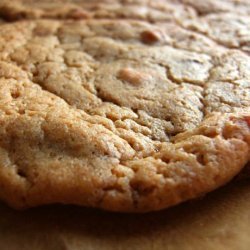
x,y
122,115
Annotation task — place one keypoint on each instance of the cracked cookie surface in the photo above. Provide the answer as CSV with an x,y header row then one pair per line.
x,y
122,115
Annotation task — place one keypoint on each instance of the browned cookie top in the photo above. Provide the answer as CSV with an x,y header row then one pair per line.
x,y
122,115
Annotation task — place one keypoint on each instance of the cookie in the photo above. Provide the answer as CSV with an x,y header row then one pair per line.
x,y
118,114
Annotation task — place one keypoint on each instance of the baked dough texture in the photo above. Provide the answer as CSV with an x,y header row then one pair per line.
x,y
129,114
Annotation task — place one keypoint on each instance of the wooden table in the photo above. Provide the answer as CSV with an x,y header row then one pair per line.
x,y
221,220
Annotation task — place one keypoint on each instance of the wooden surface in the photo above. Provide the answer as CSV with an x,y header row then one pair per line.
x,y
220,220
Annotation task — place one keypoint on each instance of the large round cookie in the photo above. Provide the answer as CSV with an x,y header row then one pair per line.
x,y
121,115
